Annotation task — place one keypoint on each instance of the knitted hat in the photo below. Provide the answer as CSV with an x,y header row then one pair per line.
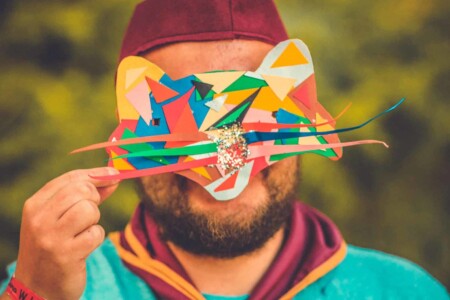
x,y
156,22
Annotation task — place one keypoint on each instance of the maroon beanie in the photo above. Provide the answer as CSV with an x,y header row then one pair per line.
x,y
159,22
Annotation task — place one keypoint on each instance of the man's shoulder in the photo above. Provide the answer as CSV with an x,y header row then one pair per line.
x,y
367,272
109,278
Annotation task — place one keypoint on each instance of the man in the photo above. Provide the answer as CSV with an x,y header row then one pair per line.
x,y
181,243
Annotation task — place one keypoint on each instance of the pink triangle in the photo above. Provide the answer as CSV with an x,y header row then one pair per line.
x,y
138,97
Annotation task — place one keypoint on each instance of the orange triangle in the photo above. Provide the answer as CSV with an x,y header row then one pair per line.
x,y
227,184
291,56
160,92
120,163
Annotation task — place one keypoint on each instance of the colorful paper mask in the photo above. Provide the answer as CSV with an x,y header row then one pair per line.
x,y
220,128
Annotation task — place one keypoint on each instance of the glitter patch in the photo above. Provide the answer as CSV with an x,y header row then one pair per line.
x,y
232,148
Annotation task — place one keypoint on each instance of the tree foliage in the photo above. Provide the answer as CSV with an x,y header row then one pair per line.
x,y
58,62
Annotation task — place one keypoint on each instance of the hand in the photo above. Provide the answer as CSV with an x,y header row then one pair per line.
x,y
59,230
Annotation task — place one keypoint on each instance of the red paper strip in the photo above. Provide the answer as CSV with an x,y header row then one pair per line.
x,y
175,137
159,170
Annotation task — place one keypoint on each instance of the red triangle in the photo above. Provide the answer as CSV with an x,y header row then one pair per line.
x,y
227,184
186,123
174,109
160,92
306,92
305,97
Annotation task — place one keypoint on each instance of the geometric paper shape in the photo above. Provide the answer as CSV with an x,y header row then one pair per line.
x,y
199,170
227,184
220,80
202,88
139,98
174,109
280,85
306,92
160,92
217,102
237,114
133,74
120,163
289,57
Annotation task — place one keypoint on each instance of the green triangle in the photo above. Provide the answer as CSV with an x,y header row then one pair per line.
x,y
233,116
245,83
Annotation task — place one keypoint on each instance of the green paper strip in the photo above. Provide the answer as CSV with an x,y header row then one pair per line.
x,y
181,151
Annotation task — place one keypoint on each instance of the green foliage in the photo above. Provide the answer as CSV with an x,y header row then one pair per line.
x,y
58,62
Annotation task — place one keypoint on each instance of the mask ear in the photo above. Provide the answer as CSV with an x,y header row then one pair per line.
x,y
290,58
135,75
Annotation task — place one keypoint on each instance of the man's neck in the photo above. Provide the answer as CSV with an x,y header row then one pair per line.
x,y
229,277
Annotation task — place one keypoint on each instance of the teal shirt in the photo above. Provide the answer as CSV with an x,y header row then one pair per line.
x,y
363,274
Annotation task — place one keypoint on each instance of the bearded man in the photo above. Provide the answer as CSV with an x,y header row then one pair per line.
x,y
181,243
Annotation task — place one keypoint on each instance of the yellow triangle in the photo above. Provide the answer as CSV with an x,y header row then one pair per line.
x,y
199,170
280,85
220,80
291,56
133,74
120,163
319,120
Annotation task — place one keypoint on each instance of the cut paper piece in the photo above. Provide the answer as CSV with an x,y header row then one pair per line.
x,y
291,56
221,128
237,114
259,151
227,184
199,170
121,164
202,88
306,93
212,116
160,170
217,102
262,126
132,75
242,180
280,85
174,109
220,80
191,137
139,98
160,92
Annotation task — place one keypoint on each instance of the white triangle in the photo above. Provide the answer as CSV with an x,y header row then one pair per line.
x,y
217,102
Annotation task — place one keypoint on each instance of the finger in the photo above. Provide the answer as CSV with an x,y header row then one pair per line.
x,y
74,176
65,198
87,241
105,192
82,215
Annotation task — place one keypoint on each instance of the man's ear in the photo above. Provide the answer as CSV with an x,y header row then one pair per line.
x,y
134,77
290,58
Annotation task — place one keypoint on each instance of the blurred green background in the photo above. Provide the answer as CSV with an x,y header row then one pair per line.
x,y
58,61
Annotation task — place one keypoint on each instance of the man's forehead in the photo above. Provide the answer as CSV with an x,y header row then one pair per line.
x,y
182,59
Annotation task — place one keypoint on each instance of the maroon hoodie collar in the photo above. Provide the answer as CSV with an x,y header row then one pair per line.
x,y
312,247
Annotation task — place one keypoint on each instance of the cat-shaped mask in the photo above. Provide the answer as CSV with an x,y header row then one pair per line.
x,y
220,128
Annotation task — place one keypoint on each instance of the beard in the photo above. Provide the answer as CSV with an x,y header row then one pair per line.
x,y
227,232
